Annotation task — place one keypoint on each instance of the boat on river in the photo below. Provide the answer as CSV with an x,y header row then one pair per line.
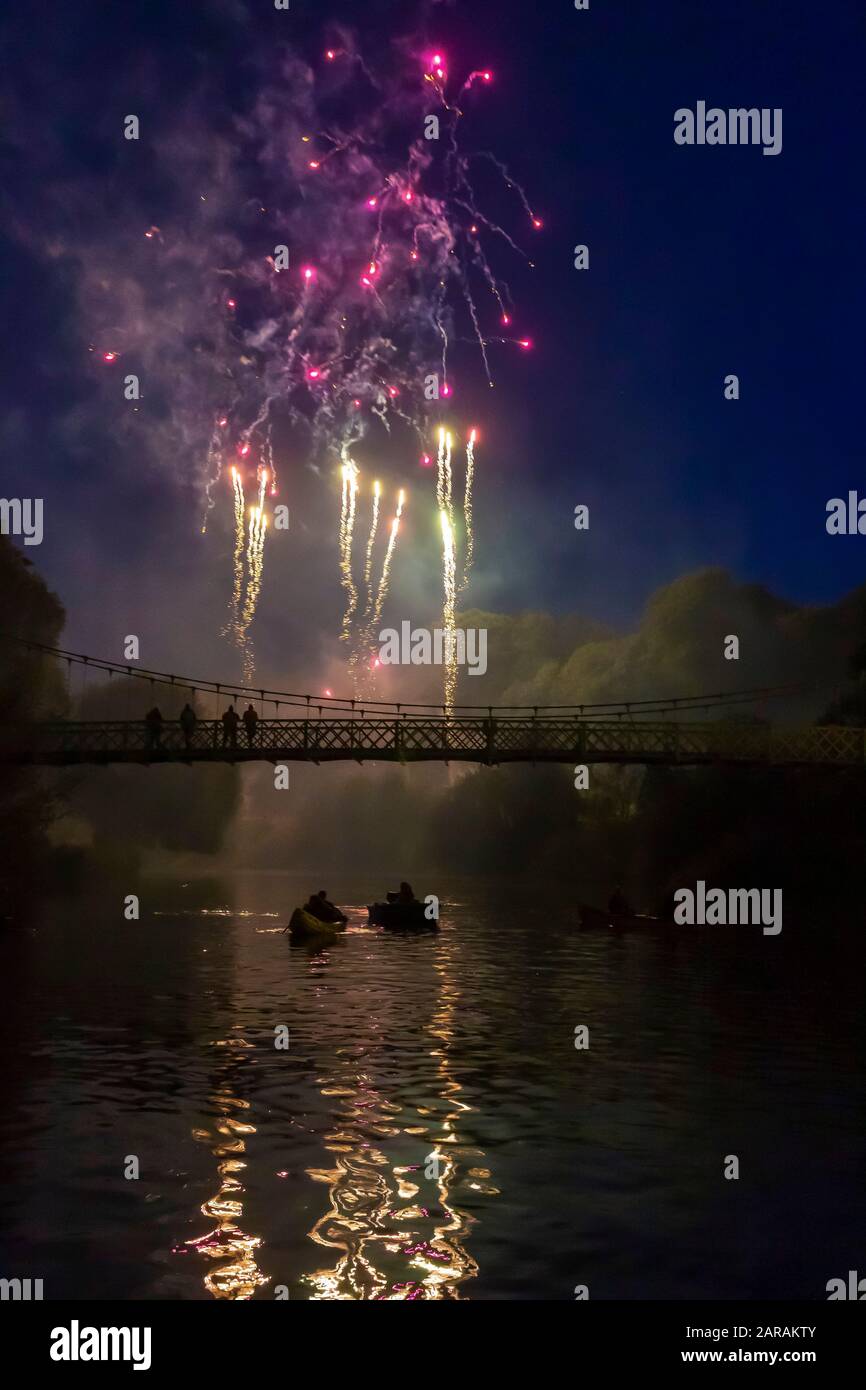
x,y
601,919
397,916
303,926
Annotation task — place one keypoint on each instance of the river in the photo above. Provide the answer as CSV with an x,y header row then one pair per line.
x,y
430,1130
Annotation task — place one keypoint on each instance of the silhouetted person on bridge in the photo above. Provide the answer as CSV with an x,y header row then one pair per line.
x,y
188,723
231,719
251,720
153,729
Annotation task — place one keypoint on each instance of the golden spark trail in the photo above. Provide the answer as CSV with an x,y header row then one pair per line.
x,y
443,473
448,443
347,529
253,572
440,471
255,551
362,636
449,610
384,578
467,511
231,627
255,556
368,567
449,588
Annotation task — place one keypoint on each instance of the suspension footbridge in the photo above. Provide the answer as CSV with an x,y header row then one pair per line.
x,y
322,729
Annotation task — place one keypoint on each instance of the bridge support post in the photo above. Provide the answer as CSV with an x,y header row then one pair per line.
x,y
490,724
579,740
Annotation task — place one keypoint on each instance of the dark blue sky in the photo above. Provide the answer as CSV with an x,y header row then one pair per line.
x,y
704,261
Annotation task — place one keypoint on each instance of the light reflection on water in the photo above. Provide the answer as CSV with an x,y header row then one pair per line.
x,y
398,1231
234,1272
431,1131
395,1228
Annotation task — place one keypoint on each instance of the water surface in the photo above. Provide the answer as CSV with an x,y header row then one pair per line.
x,y
431,1130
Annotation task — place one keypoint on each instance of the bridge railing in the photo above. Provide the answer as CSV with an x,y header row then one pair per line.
x,y
418,738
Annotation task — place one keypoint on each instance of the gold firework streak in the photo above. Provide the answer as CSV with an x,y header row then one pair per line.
x,y
385,576
449,587
362,637
368,567
231,627
255,556
440,471
449,609
449,440
467,511
443,473
347,529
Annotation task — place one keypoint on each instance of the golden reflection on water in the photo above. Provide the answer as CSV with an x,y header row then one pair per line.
x,y
396,1227
234,1272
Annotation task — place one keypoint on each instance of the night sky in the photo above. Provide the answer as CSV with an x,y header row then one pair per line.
x,y
704,261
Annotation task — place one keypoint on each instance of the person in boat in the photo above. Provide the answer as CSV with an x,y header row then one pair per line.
x,y
404,897
333,913
618,904
312,909
319,906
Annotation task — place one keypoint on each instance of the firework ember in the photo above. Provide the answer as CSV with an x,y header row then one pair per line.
x,y
338,323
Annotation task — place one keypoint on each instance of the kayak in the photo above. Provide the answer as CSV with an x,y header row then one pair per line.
x,y
597,918
303,926
401,917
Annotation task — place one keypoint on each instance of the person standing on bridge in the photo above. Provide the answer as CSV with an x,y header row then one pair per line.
x,y
231,719
153,729
188,723
251,720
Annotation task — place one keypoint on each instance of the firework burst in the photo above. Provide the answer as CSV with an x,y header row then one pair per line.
x,y
324,277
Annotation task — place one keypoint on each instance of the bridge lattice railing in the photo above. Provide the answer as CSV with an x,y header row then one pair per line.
x,y
414,737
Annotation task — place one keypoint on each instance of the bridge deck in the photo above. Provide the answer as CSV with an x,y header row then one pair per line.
x,y
416,739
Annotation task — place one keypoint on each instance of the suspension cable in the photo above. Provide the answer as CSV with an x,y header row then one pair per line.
x,y
598,709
